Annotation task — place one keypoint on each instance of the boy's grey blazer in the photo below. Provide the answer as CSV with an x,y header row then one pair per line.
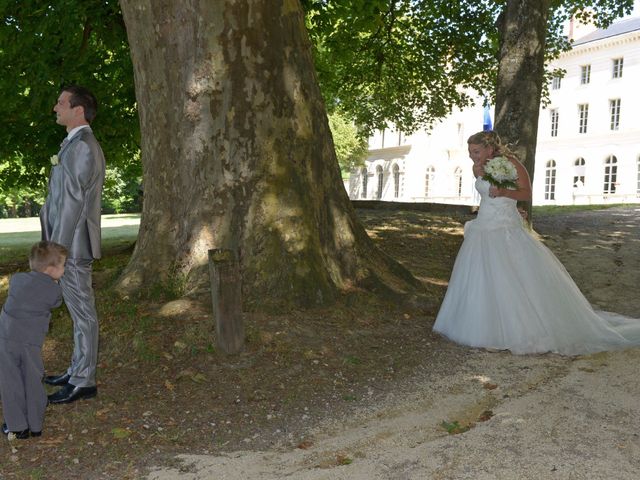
x,y
26,313
71,213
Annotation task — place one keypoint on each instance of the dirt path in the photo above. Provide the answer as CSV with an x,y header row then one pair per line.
x,y
601,250
530,417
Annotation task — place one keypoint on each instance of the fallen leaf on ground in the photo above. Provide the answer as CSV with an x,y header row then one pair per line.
x,y
120,432
486,415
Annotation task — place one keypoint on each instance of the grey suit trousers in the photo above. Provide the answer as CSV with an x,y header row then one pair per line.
x,y
23,396
79,298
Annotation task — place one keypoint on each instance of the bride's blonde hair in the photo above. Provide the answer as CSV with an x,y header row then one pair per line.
x,y
489,138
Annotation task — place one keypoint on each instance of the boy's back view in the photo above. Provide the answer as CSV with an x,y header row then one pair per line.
x,y
24,323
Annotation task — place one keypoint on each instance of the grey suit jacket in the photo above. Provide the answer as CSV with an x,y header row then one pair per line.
x,y
26,312
71,213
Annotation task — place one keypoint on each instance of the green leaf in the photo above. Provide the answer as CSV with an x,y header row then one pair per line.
x,y
454,427
120,432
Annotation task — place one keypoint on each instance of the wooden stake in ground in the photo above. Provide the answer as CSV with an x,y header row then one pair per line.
x,y
227,300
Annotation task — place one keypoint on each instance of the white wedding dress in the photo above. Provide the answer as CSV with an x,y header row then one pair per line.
x,y
509,292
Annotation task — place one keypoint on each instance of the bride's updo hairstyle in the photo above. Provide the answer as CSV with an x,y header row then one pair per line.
x,y
489,138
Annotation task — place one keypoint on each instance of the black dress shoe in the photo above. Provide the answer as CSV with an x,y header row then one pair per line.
x,y
36,434
70,393
62,379
20,435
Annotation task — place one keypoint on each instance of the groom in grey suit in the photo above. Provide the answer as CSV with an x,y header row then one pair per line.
x,y
71,217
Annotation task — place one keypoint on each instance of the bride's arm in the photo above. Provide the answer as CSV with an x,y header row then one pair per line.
x,y
523,192
478,170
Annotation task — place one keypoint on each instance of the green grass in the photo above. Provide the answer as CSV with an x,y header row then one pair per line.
x,y
18,239
117,231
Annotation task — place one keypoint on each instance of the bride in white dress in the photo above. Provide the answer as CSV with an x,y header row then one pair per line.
x,y
508,291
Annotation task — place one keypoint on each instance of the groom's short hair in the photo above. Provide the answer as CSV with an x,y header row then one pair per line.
x,y
82,97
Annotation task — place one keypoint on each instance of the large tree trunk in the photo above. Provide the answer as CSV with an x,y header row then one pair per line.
x,y
522,30
237,154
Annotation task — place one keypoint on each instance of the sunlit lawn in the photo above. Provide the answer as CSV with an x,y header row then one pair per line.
x,y
18,234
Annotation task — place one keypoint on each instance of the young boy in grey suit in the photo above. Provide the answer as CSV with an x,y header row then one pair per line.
x,y
24,322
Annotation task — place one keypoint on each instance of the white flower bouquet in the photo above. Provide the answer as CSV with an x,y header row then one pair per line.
x,y
499,171
54,160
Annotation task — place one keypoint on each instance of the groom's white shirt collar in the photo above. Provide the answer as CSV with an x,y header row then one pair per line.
x,y
72,133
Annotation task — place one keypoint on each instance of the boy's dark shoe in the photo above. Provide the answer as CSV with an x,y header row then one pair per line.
x,y
20,435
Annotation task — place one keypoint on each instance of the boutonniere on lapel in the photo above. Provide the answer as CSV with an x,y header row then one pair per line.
x,y
54,160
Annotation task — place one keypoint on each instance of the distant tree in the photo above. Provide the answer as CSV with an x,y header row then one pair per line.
x,y
122,191
44,45
404,62
351,145
16,198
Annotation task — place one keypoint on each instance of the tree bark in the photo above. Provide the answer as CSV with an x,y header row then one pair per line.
x,y
237,154
522,30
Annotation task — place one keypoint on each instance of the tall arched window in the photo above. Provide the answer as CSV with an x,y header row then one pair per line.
x,y
396,181
380,175
610,174
579,169
550,180
428,180
458,181
365,182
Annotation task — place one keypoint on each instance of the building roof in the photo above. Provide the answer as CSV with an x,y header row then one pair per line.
x,y
617,28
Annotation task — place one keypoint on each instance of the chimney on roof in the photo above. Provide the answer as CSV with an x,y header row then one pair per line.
x,y
576,29
570,29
